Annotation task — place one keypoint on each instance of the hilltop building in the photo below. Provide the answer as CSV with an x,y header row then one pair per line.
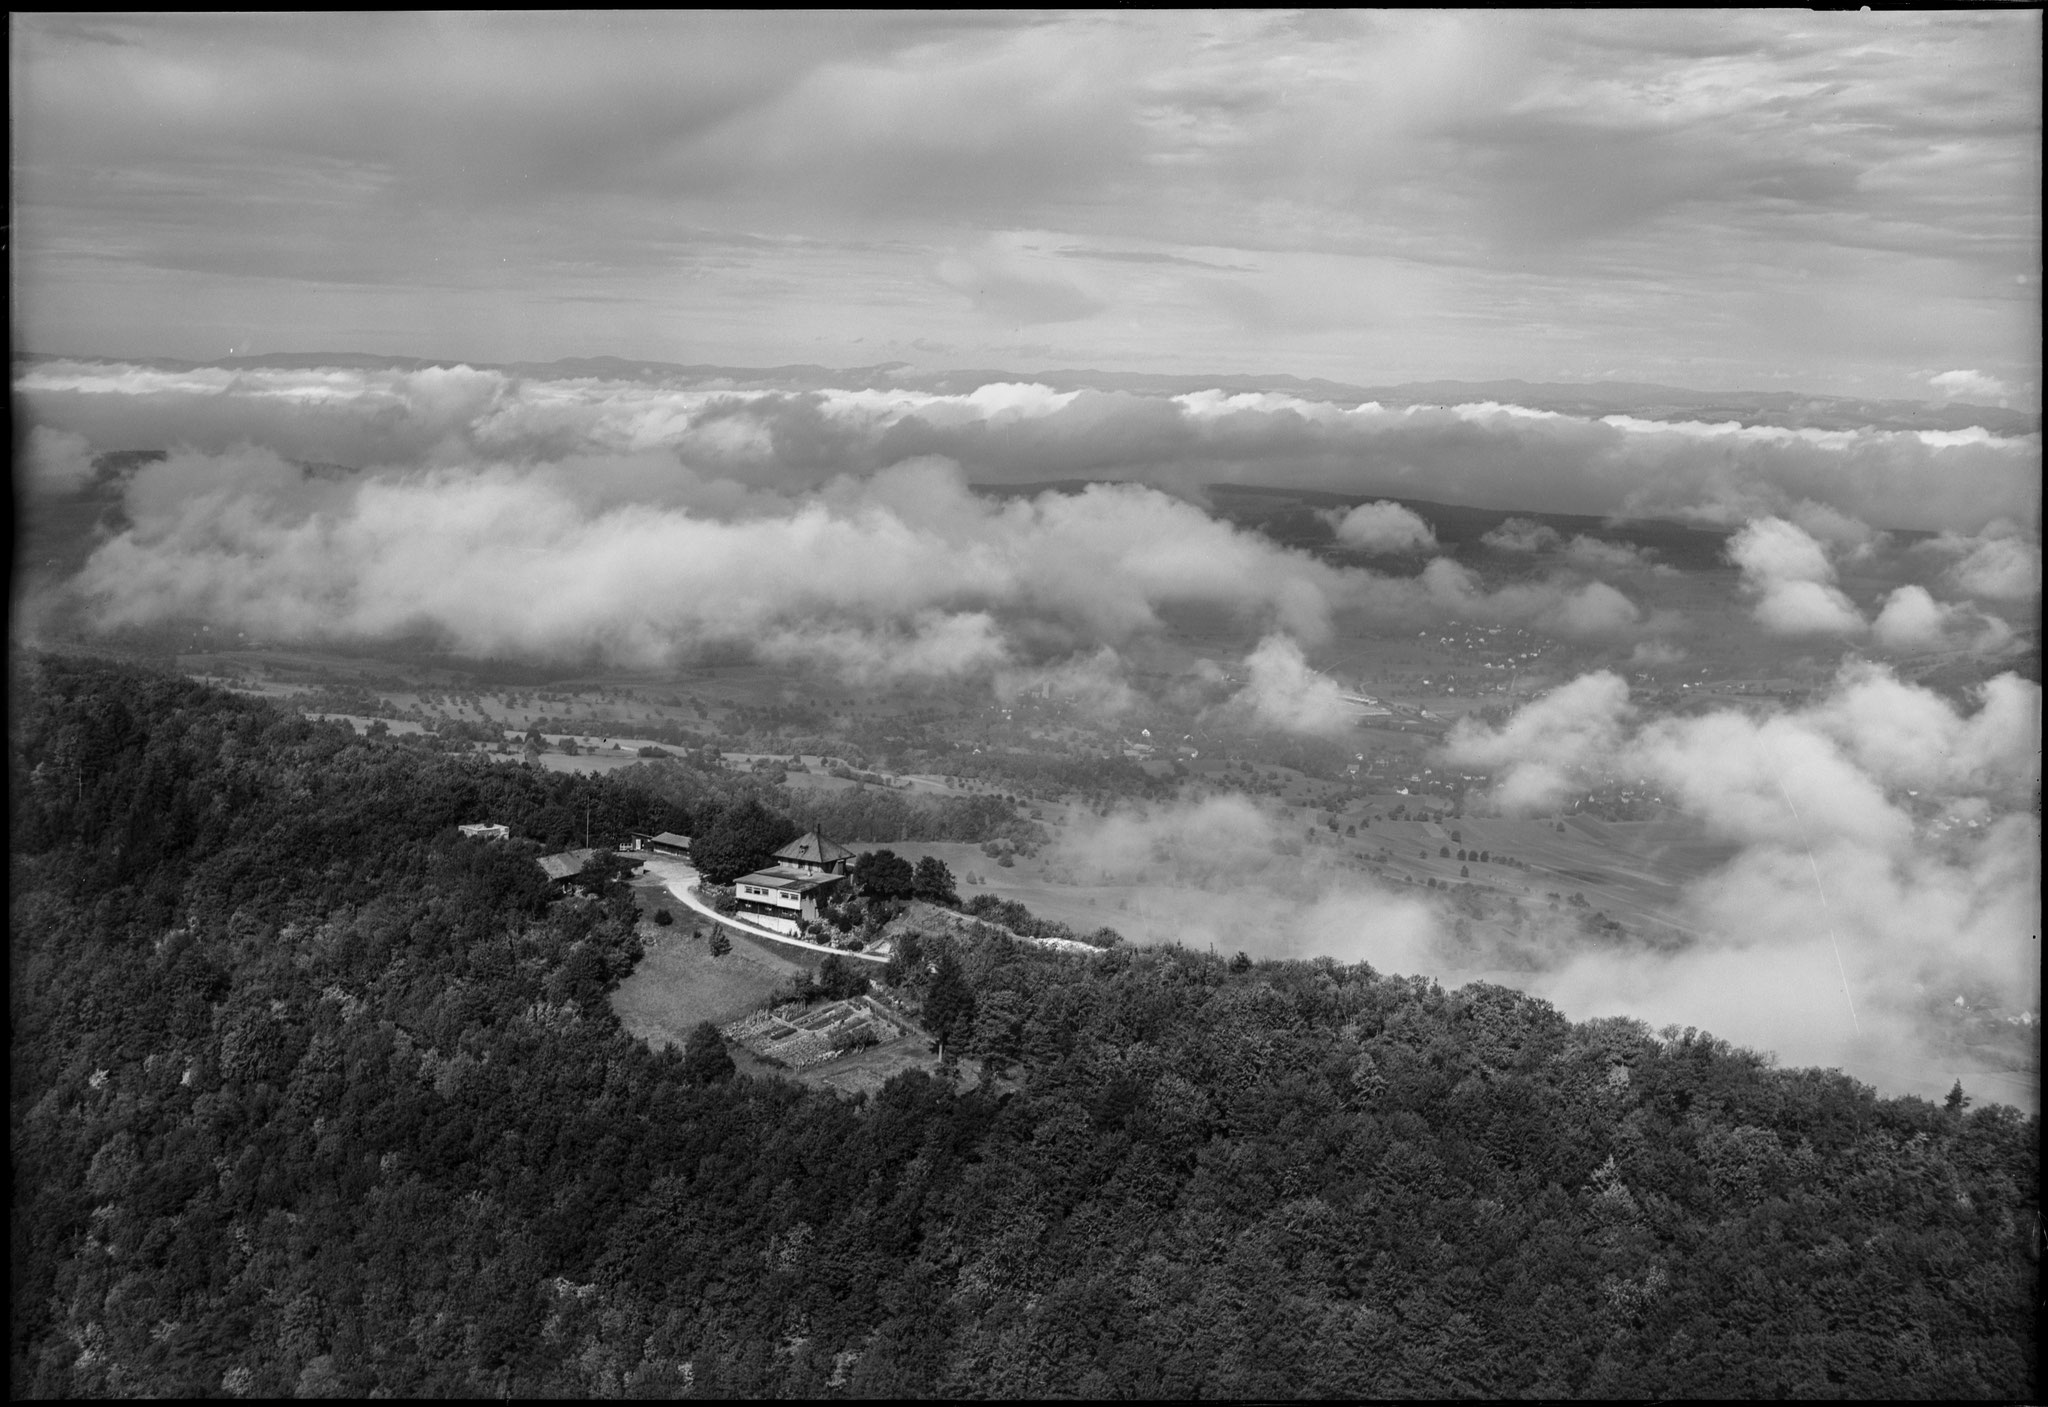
x,y
565,865
484,830
792,892
813,854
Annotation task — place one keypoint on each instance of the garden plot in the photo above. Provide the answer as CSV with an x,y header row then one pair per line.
x,y
799,1038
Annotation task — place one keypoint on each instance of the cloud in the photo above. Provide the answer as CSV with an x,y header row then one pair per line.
x,y
1384,527
1591,554
1807,608
1845,536
905,572
1589,610
2002,563
1096,683
1522,535
1790,575
1013,287
1970,386
56,461
1913,622
1878,853
1009,432
1544,748
1882,834
1284,693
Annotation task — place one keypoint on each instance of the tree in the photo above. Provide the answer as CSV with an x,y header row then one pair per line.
x,y
1242,963
933,882
664,917
720,944
949,1006
705,1059
1957,1101
837,979
1444,853
740,840
1464,872
883,874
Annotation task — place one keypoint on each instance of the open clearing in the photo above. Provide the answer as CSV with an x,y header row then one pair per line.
x,y
679,983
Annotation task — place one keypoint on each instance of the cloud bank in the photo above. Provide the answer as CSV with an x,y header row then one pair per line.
x,y
1886,837
634,559
1883,858
1491,454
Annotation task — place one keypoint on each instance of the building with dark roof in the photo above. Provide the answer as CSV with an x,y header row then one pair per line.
x,y
565,865
813,854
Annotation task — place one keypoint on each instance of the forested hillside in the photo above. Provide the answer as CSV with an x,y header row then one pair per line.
x,y
308,1094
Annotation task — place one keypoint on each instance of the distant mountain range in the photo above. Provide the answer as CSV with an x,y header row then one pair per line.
x,y
1788,409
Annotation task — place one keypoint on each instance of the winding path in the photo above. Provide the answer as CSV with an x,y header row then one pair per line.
x,y
681,880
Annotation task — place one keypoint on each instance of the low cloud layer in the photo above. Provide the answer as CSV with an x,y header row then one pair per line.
x,y
1887,848
1490,454
635,560
1883,858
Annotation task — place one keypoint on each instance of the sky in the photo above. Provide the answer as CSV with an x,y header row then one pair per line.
x,y
1837,203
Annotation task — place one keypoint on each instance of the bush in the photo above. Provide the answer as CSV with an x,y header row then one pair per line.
x,y
664,917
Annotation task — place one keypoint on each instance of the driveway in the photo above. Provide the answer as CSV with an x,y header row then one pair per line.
x,y
681,879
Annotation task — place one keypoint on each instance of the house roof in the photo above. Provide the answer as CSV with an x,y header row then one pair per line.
x,y
813,849
670,838
789,879
565,865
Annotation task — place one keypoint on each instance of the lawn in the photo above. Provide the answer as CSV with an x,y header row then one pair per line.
x,y
679,983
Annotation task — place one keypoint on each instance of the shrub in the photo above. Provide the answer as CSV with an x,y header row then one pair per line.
x,y
664,917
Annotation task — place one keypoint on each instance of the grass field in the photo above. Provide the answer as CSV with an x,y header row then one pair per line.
x,y
679,983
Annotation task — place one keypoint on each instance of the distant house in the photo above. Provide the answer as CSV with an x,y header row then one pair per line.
x,y
484,830
666,843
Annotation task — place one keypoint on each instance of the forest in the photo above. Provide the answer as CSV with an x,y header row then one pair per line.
x,y
310,1094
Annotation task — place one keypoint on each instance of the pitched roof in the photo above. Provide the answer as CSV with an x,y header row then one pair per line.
x,y
681,842
566,864
813,849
